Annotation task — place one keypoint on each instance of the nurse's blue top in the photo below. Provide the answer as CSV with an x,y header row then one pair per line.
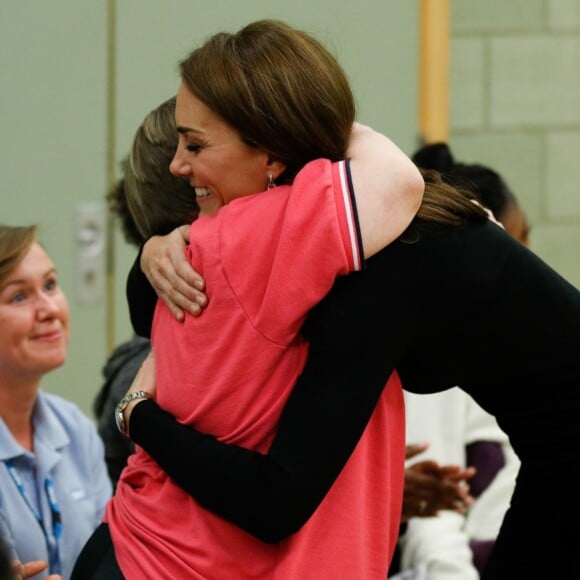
x,y
52,499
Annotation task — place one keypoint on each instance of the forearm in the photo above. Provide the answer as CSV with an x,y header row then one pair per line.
x,y
271,496
231,481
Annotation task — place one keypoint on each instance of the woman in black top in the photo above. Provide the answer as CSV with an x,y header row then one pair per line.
x,y
422,306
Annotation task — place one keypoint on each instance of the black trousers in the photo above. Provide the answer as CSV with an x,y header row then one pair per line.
x,y
97,560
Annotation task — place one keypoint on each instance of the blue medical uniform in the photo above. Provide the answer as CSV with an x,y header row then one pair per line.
x,y
53,498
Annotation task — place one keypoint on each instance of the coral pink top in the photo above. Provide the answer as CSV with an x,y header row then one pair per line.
x,y
266,259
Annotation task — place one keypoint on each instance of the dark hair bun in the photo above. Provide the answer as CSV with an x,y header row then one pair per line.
x,y
434,156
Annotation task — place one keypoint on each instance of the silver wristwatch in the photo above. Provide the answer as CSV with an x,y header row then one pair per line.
x,y
122,405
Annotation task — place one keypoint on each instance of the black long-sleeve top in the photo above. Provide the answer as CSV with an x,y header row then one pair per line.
x,y
462,306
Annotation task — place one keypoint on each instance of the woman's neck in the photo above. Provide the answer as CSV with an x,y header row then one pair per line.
x,y
17,399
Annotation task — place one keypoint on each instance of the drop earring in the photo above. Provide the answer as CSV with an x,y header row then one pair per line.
x,y
271,182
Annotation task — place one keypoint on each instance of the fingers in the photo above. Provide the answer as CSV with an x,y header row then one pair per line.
x,y
29,569
459,474
428,507
428,467
427,510
183,298
17,569
184,233
164,262
420,508
428,489
413,449
179,290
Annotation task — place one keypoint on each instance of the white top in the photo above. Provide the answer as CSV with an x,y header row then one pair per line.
x,y
438,548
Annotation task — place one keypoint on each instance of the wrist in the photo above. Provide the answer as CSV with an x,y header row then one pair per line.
x,y
129,410
144,253
125,407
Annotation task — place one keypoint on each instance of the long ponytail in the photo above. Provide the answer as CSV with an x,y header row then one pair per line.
x,y
443,206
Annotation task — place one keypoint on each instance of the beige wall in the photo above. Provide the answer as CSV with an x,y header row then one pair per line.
x,y
54,143
515,105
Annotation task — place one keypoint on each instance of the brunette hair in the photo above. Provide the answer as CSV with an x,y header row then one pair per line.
x,y
281,90
443,206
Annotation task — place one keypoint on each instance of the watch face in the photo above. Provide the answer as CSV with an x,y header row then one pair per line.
x,y
122,405
120,420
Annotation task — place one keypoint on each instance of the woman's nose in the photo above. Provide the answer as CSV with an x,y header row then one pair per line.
x,y
178,167
47,307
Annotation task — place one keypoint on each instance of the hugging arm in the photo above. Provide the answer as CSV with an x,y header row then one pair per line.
x,y
272,495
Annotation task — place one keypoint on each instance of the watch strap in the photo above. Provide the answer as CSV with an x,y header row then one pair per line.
x,y
122,405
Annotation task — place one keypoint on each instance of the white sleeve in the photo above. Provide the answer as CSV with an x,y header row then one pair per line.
x,y
438,548
486,514
480,425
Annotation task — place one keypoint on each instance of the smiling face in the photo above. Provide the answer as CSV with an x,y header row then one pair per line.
x,y
213,158
34,318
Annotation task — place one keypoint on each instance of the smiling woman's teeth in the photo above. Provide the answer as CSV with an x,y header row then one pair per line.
x,y
201,192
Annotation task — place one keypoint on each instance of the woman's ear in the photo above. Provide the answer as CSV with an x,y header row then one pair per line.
x,y
276,168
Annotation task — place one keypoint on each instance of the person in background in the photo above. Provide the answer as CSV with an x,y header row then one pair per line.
x,y
457,428
456,545
145,169
488,185
53,478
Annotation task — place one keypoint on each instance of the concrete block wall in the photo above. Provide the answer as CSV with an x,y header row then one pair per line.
x,y
515,105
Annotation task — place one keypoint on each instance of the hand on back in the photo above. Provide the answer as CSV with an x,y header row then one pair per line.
x,y
164,263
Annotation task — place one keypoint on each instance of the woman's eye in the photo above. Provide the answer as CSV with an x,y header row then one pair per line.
x,y
18,297
193,147
50,285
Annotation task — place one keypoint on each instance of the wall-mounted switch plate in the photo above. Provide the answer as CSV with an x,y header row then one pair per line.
x,y
90,239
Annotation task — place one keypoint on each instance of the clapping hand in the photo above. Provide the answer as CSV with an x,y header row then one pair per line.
x,y
430,487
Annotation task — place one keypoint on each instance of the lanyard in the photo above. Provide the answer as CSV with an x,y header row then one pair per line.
x,y
54,555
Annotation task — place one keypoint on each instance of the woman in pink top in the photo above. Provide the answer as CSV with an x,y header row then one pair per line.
x,y
265,118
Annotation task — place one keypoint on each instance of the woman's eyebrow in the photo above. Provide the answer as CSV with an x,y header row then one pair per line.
x,y
183,130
